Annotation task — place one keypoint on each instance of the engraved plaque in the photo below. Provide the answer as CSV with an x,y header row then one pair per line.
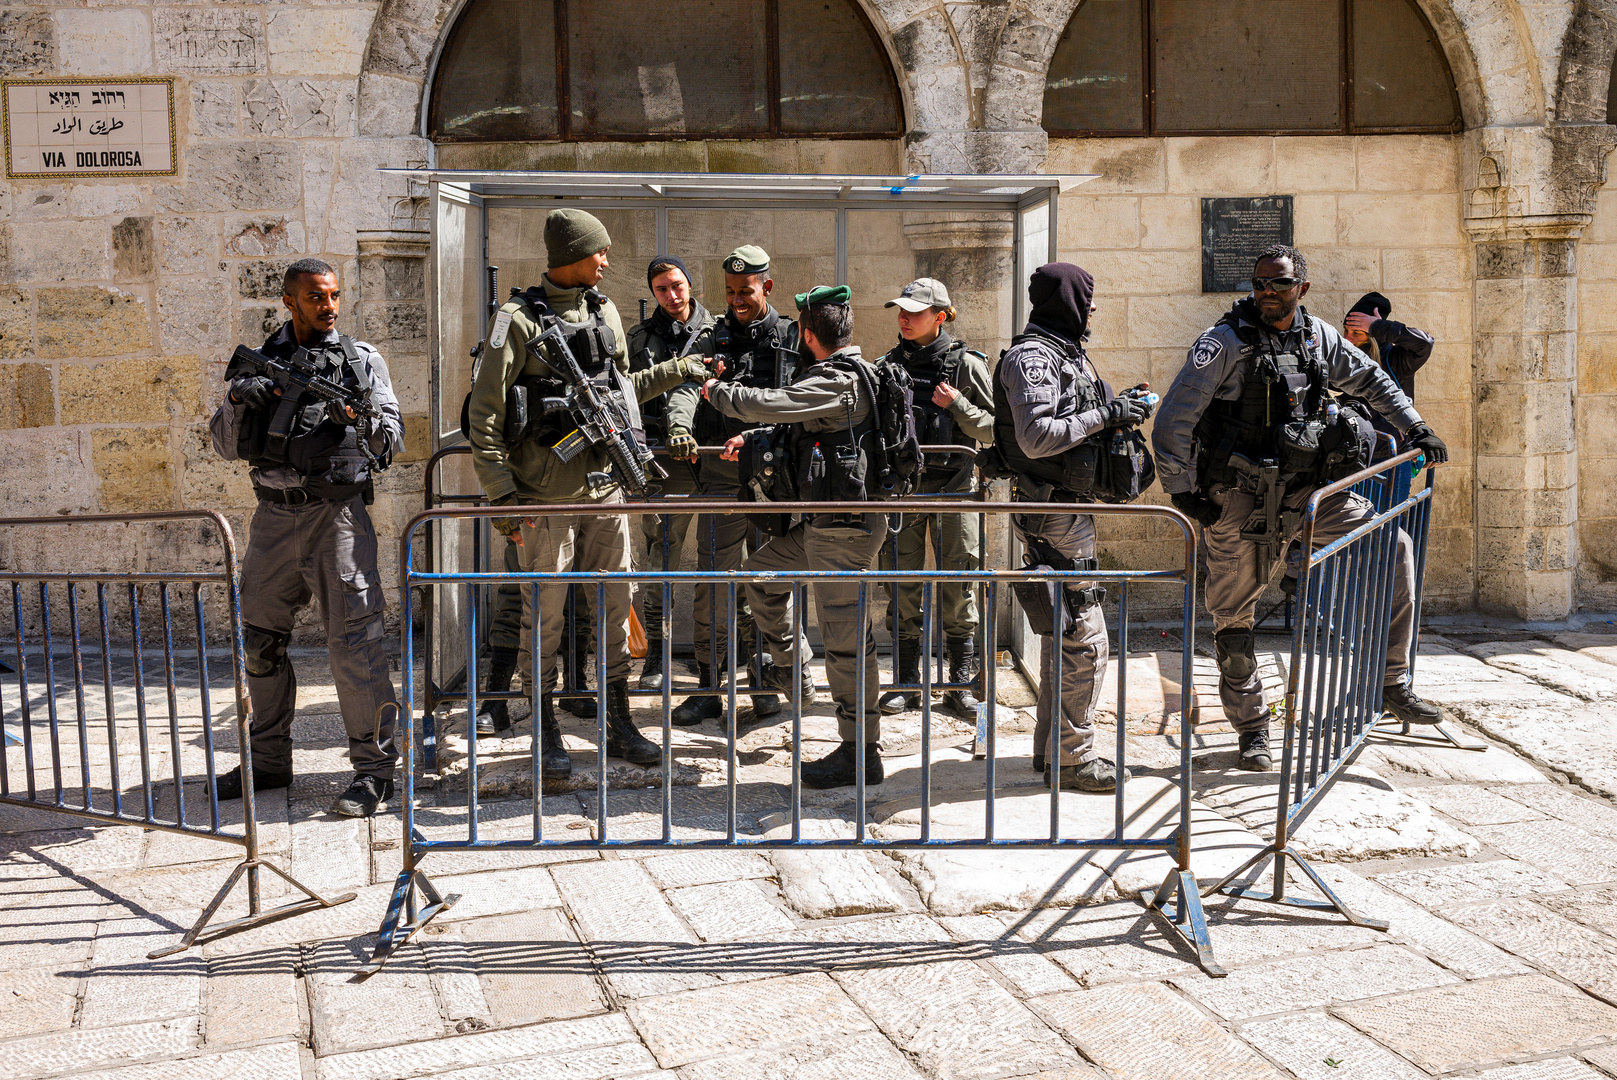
x,y
81,127
1233,232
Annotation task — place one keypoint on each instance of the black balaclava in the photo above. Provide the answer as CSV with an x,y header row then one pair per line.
x,y
1370,303
1061,294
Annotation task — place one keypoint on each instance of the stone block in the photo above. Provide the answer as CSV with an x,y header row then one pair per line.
x,y
730,910
60,479
276,1061
94,41
1576,953
195,315
343,1013
91,321
209,40
187,245
399,48
1518,1016
555,1043
1324,163
16,325
1170,222
1227,165
81,1050
721,1020
261,237
107,200
132,988
135,391
689,868
1321,978
1425,268
852,157
1436,886
1120,165
1099,221
1321,1048
565,987
388,105
763,156
867,1055
134,251
57,251
1424,220
26,398
299,108
1145,1031
261,279
248,1000
258,175
135,469
1478,806
1313,220
1403,163
317,41
27,43
215,108
1141,274
1171,322
40,1001
396,327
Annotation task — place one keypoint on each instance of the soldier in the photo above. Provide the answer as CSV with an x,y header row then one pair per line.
x,y
830,406
954,406
672,331
1265,363
311,537
759,349
529,471
1050,410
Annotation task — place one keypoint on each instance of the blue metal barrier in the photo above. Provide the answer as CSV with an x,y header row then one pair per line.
x,y
416,901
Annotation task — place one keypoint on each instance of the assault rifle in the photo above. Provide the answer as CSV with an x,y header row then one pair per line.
x,y
302,373
600,415
1271,524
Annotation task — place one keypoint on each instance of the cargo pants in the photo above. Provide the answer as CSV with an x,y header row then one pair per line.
x,y
326,552
562,544
654,531
723,542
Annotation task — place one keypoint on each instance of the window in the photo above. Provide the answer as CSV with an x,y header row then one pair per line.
x,y
529,70
1194,67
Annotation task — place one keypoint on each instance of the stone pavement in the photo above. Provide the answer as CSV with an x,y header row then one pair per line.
x,y
1497,870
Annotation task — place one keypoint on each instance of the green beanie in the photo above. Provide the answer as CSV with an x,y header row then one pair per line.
x,y
571,235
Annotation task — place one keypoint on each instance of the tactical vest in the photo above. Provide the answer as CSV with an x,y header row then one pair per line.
x,y
592,344
1281,392
768,363
647,349
934,424
299,433
1073,470
832,466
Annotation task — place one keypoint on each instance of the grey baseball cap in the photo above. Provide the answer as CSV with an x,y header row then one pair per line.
x,y
920,294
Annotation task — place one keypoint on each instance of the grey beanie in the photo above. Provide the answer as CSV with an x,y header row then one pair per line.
x,y
572,235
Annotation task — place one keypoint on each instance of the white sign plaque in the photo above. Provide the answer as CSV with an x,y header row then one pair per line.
x,y
104,127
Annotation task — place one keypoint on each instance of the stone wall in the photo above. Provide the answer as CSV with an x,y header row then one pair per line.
x,y
1597,405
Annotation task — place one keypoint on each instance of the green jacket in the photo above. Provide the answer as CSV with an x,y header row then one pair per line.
x,y
530,470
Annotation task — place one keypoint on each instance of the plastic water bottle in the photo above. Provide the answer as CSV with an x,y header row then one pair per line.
x,y
1331,412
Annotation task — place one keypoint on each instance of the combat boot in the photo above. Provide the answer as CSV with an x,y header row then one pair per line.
x,y
963,668
1253,754
779,676
836,769
554,764
693,710
651,673
1402,701
906,669
577,677
623,739
1098,774
763,705
494,717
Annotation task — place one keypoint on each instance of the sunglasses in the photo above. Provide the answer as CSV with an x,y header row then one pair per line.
x,y
1275,284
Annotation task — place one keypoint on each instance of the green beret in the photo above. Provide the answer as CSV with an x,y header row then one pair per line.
x,y
824,294
747,259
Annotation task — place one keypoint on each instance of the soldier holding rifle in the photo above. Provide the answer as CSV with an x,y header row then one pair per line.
x,y
552,419
1246,433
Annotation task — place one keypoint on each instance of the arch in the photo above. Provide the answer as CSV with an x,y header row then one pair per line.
x,y
1587,54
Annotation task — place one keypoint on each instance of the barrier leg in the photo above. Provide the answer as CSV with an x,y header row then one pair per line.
x,y
1277,895
312,901
1390,729
1184,914
404,919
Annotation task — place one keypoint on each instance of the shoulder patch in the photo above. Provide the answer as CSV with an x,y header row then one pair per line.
x,y
1205,351
1035,371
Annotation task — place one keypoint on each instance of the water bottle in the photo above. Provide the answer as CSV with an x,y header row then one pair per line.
x,y
1331,412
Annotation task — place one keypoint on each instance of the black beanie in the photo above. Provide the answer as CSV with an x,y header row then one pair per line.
x,y
1370,303
662,264
1061,293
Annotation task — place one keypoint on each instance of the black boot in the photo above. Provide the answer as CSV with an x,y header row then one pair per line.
x,y
962,668
906,669
1252,753
651,673
577,677
693,710
836,769
229,784
554,764
1408,706
623,739
494,717
763,705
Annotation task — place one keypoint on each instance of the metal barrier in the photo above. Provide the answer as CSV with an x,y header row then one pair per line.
x,y
82,777
1178,897
1345,613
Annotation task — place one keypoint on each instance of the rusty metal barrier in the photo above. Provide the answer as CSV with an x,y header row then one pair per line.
x,y
74,768
1339,648
416,900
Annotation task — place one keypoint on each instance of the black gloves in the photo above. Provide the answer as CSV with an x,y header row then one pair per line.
x,y
253,391
337,413
1196,508
1126,412
1419,435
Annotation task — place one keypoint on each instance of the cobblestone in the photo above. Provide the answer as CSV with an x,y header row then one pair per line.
x,y
1568,852
1434,886
1556,944
1309,982
80,1050
723,1020
1318,1047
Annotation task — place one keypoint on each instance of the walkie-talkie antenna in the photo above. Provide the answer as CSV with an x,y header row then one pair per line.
x,y
493,289
642,309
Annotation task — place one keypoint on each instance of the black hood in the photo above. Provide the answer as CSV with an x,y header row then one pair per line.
x,y
1061,294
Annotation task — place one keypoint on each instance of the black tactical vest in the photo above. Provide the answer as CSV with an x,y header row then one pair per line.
x,y
299,432
648,347
934,424
832,466
1278,389
1077,394
767,361
592,344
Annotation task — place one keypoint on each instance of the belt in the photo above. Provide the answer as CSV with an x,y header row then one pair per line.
x,y
286,496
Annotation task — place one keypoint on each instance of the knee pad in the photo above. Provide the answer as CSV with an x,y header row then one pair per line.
x,y
266,651
1237,658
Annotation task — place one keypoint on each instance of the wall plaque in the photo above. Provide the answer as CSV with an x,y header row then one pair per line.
x,y
1233,232
80,127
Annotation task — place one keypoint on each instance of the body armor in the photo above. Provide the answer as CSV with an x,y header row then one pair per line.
x,y
1073,470
299,433
765,357
592,344
650,345
934,424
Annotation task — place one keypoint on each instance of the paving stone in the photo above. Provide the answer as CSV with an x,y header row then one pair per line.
x,y
1565,670
1567,804
1591,907
531,967
1435,886
123,987
1568,737
1562,849
1471,805
1558,945
1028,971
36,1001
331,854
868,1056
251,998
1144,1031
81,851
1496,765
827,884
954,1021
542,1041
1511,1017
80,1050
460,995
706,867
1101,943
60,931
728,910
720,1020
618,902
598,1063
277,1061
1308,982
1554,1069
499,892
343,1013
1305,1044
1605,1057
